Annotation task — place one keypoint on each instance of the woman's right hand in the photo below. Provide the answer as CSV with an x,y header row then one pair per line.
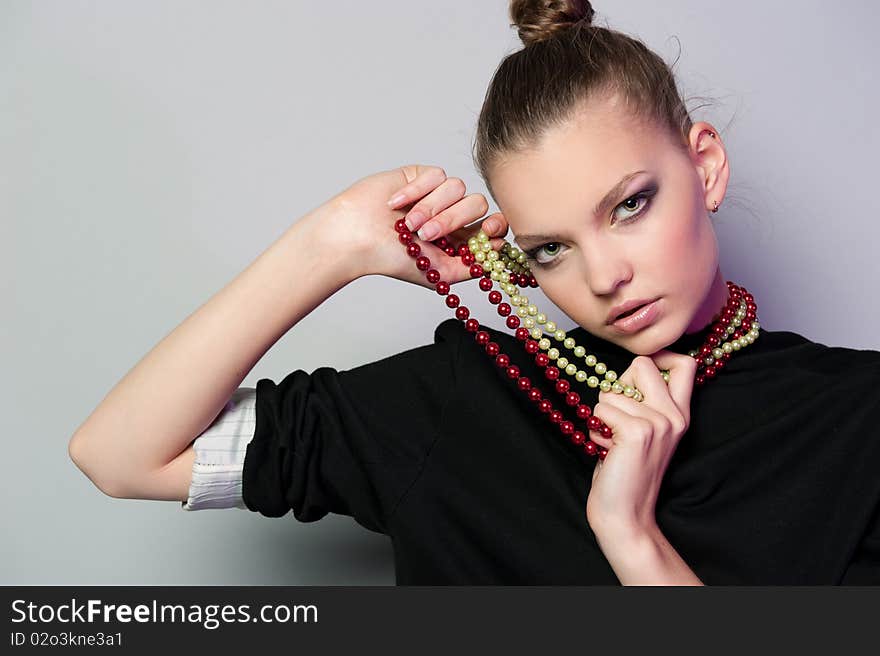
x,y
364,220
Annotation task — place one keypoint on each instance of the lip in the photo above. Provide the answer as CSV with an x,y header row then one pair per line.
x,y
641,319
625,307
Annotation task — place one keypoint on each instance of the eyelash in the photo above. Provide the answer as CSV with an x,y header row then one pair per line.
x,y
647,194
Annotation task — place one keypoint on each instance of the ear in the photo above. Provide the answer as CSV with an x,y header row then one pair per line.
x,y
710,161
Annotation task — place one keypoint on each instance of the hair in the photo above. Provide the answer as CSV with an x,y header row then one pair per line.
x,y
566,61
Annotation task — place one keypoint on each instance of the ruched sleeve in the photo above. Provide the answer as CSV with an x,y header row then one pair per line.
x,y
349,442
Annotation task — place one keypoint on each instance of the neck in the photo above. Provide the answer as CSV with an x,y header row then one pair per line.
x,y
715,301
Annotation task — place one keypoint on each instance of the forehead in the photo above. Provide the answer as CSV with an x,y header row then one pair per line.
x,y
574,165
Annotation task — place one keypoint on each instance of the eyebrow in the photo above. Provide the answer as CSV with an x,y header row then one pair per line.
x,y
601,207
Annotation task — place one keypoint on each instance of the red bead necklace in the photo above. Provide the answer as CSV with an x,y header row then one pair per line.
x,y
738,320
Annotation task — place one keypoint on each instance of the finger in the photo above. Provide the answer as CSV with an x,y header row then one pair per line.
x,y
644,375
449,216
494,225
418,181
445,209
682,374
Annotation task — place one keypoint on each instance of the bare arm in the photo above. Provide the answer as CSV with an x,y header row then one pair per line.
x,y
137,442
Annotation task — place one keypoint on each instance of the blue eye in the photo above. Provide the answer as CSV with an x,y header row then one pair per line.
x,y
645,195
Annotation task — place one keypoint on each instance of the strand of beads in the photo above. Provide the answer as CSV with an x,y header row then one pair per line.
x,y
509,269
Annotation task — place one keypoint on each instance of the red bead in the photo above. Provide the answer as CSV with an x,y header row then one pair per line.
x,y
534,394
556,416
591,447
524,384
432,276
566,427
512,278
441,243
542,359
495,297
551,373
405,237
522,280
578,437
512,321
492,348
413,249
472,325
710,372
713,340
605,431
545,405
533,282
532,346
485,283
502,360
562,385
462,313
583,411
477,270
700,380
719,365
400,225
522,334
594,423
572,398
482,338
450,251
423,263
452,301
602,452
504,309
442,287
513,372
467,259
463,250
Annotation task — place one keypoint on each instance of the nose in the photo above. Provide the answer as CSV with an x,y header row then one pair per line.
x,y
606,269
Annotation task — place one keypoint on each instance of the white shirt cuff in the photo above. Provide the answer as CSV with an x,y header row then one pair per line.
x,y
220,451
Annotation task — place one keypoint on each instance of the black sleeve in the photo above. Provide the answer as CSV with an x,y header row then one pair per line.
x,y
349,442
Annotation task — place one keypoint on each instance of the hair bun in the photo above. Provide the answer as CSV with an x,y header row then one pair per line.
x,y
537,20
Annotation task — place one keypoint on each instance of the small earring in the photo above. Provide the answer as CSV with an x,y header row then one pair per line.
x,y
715,209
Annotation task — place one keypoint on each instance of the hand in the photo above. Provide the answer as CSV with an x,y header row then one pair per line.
x,y
645,434
365,221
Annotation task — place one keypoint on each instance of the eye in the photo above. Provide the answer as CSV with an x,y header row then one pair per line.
x,y
638,203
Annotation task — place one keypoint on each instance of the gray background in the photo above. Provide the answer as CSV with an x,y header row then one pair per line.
x,y
150,151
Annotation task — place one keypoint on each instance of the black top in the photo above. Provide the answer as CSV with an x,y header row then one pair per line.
x,y
776,482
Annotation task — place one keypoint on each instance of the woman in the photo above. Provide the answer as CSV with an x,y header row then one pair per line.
x,y
763,474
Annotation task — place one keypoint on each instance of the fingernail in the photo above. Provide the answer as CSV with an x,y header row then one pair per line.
x,y
396,199
491,225
429,231
413,219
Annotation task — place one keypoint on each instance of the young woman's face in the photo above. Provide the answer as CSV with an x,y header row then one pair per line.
x,y
653,239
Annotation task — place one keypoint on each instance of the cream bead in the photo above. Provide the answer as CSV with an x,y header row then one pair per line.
x,y
528,322
499,266
571,369
580,375
541,318
550,327
590,360
562,362
628,390
579,351
610,375
605,386
553,353
600,368
522,312
559,335
568,343
492,255
544,343
536,333
480,256
592,381
616,387
482,236
717,353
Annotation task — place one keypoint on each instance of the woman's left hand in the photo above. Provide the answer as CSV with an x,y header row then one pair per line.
x,y
625,485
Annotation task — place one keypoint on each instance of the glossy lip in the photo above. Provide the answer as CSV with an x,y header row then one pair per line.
x,y
625,307
639,320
